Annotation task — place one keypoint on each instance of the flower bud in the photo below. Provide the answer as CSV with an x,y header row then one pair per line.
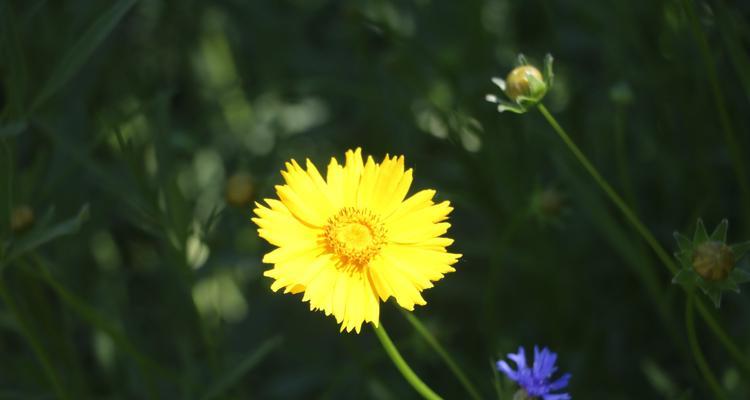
x,y
525,81
21,218
551,202
713,260
239,191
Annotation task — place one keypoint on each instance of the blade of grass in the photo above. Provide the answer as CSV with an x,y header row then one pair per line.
x,y
727,29
6,200
82,50
231,378
432,341
92,317
496,383
700,359
631,252
733,144
34,342
12,53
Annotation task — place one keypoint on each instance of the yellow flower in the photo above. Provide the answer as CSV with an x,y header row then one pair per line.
x,y
352,239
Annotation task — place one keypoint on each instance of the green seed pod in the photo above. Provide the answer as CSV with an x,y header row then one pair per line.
x,y
713,260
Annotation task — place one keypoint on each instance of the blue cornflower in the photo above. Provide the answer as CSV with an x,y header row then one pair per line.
x,y
535,381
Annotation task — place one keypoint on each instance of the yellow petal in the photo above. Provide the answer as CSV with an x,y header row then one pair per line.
x,y
279,227
352,175
320,287
422,263
297,271
306,194
335,181
403,290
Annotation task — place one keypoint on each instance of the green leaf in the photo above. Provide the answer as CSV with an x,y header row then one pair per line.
x,y
41,236
740,249
739,276
685,278
496,380
720,233
714,294
682,241
231,377
549,75
729,284
521,60
700,233
685,258
82,50
14,62
508,106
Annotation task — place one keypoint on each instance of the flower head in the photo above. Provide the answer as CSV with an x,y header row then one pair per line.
x,y
353,238
535,381
709,263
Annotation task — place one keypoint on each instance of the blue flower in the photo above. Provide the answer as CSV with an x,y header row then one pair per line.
x,y
536,380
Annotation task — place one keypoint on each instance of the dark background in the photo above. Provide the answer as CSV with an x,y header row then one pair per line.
x,y
144,111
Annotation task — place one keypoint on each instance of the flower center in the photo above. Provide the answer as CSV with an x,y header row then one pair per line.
x,y
355,235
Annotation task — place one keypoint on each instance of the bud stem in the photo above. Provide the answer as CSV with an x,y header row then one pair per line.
x,y
611,193
700,360
731,348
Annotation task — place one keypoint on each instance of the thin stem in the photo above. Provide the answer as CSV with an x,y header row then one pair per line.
x,y
700,360
646,234
432,341
621,155
728,28
724,120
611,193
402,366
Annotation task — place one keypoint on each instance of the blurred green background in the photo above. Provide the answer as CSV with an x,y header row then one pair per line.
x,y
136,134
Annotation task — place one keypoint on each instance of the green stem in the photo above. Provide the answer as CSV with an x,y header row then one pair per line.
x,y
432,341
611,193
728,28
402,366
700,360
724,120
39,352
645,233
621,155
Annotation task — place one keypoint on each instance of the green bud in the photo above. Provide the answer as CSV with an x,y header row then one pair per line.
x,y
22,218
709,263
525,81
